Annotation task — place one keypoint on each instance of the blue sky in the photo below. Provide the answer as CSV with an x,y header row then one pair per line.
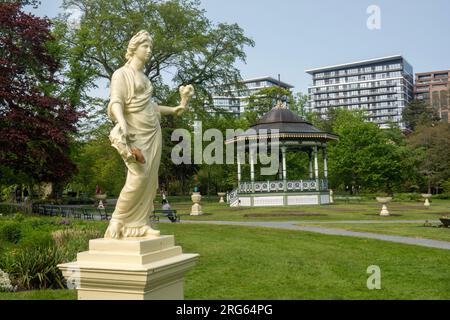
x,y
294,35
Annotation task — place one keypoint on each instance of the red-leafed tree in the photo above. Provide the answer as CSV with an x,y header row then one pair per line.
x,y
35,125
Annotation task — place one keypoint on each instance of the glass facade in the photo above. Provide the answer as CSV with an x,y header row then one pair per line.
x,y
380,87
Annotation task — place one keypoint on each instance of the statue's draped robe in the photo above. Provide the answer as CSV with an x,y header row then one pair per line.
x,y
135,203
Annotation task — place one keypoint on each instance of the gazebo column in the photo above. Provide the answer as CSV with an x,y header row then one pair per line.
x,y
239,171
325,163
310,165
252,170
316,167
283,152
280,167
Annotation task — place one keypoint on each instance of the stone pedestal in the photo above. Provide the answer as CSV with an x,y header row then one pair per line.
x,y
427,198
196,209
221,196
130,269
384,201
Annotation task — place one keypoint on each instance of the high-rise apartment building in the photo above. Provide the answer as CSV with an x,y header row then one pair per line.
x,y
234,100
434,88
381,87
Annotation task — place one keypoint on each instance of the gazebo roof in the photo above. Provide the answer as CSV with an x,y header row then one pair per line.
x,y
289,125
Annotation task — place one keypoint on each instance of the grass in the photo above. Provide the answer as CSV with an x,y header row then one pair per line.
x,y
258,263
406,210
242,263
396,229
40,295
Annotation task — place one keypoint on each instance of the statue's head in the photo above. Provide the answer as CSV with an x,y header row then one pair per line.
x,y
140,46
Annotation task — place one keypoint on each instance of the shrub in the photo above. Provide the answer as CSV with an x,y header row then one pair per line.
x,y
36,268
35,239
19,217
11,232
38,223
72,241
408,197
443,196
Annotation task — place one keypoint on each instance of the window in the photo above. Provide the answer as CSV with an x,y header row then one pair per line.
x,y
320,82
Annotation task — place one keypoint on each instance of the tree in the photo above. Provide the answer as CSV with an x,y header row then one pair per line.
x,y
99,164
417,112
266,99
35,124
300,103
365,156
188,48
430,147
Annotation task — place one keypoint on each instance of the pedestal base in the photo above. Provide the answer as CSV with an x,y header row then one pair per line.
x,y
384,211
130,269
196,210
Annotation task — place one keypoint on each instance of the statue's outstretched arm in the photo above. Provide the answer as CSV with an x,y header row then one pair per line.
x,y
186,93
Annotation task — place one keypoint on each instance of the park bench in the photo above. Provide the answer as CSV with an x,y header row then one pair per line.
x,y
104,216
88,214
66,212
76,214
170,214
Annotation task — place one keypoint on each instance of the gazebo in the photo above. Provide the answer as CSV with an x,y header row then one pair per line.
x,y
293,134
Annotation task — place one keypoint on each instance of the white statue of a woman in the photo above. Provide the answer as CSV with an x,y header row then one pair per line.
x,y
137,137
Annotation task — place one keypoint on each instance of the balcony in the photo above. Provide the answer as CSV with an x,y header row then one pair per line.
x,y
361,71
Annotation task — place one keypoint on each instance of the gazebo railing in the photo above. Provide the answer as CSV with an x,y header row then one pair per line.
x,y
283,186
233,196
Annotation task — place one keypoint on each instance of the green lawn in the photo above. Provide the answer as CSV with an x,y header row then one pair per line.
x,y
259,263
40,295
407,210
414,230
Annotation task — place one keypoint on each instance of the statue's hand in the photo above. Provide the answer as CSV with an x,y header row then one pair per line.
x,y
187,92
138,154
178,111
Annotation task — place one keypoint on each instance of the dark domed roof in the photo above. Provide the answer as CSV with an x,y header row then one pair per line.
x,y
289,125
285,121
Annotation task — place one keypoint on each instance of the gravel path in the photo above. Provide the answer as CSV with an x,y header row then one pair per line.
x,y
293,225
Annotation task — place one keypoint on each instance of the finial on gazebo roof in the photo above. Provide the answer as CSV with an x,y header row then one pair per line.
x,y
281,105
